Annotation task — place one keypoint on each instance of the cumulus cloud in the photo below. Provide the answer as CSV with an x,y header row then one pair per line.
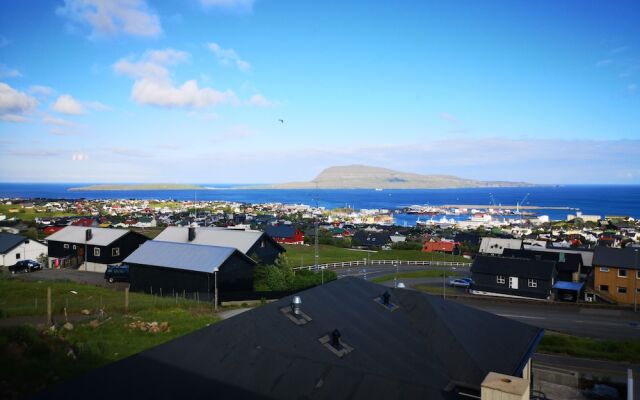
x,y
232,5
259,100
79,157
97,106
40,90
153,84
49,120
113,17
66,104
228,57
14,104
6,72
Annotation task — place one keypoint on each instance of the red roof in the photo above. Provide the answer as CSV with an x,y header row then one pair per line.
x,y
83,222
438,246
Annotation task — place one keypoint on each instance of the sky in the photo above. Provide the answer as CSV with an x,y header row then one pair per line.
x,y
270,91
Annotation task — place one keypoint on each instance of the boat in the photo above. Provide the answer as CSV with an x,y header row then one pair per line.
x,y
378,189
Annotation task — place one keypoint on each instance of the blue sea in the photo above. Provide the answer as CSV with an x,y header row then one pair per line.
x,y
590,199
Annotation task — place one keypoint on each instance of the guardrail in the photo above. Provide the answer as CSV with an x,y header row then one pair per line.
x,y
362,263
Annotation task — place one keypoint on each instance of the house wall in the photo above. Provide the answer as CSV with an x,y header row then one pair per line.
x,y
30,250
266,249
127,244
488,283
613,281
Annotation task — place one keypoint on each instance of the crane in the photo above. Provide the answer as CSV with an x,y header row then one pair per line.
x,y
521,203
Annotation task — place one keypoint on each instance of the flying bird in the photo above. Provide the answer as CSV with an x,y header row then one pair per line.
x,y
281,121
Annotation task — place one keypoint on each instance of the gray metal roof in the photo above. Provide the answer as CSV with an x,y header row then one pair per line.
x,y
76,234
239,239
587,255
613,257
491,245
191,257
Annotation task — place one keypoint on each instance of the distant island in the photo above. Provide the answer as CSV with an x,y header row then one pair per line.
x,y
367,177
150,186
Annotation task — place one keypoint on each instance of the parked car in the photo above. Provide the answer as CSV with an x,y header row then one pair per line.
x,y
25,266
462,282
117,273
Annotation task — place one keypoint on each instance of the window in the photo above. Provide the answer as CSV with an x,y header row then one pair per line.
x,y
622,289
17,256
638,274
115,251
604,269
532,283
622,273
262,244
96,252
500,279
74,246
604,288
66,245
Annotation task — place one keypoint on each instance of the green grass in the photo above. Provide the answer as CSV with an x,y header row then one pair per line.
x,y
614,350
18,297
329,254
415,274
33,360
30,214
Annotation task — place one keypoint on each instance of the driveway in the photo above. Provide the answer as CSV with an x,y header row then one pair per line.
x,y
73,275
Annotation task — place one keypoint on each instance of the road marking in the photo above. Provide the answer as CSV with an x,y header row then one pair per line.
x,y
519,316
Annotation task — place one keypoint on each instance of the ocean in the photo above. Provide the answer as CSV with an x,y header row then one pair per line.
x,y
590,199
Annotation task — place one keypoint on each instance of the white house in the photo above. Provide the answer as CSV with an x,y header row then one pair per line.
x,y
14,248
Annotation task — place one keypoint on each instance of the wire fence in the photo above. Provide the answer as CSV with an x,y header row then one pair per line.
x,y
363,263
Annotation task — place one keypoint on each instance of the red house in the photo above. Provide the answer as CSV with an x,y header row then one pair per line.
x,y
439,247
285,234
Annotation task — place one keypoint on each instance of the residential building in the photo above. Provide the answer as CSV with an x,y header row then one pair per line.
x,y
617,274
169,267
513,277
14,248
285,234
439,247
66,248
495,246
341,341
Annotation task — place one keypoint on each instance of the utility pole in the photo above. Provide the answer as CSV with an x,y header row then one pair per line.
x,y
316,245
635,283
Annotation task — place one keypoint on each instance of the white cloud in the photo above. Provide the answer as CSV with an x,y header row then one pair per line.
x,y
13,103
49,120
66,104
233,5
113,17
97,106
259,100
6,72
604,63
41,90
228,57
153,84
632,88
79,157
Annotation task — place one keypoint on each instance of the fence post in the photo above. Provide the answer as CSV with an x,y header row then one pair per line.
x,y
126,300
49,320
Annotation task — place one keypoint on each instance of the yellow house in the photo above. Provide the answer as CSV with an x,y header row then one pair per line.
x,y
616,273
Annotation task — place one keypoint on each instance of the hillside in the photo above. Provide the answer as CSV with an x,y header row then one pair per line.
x,y
366,177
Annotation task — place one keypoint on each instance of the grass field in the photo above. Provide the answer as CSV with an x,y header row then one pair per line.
x,y
18,297
415,274
29,214
614,350
304,255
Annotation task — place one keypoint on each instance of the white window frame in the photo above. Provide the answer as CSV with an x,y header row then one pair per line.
x,y
115,252
604,269
625,273
66,245
501,279
74,247
96,251
532,283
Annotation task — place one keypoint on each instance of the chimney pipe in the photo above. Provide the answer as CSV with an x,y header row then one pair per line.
x,y
192,233
295,305
335,339
385,298
88,235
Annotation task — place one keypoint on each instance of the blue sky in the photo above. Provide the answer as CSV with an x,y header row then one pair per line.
x,y
193,90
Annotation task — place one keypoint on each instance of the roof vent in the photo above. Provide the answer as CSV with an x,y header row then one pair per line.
x,y
88,235
294,312
385,301
333,342
192,233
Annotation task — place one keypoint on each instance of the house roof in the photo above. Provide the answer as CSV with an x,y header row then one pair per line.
x,y
283,231
439,246
613,257
587,255
415,351
242,240
187,256
491,245
76,234
8,241
567,262
520,267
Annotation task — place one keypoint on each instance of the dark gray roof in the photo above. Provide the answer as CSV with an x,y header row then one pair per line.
x,y
416,351
520,267
191,257
9,240
282,231
613,257
567,262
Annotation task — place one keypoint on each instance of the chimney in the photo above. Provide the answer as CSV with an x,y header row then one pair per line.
x,y
295,305
88,235
499,386
335,339
192,233
385,298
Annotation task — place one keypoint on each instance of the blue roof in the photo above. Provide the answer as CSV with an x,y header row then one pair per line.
x,y
577,286
192,257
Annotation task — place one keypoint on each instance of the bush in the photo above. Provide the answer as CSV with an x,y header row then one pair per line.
x,y
281,277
